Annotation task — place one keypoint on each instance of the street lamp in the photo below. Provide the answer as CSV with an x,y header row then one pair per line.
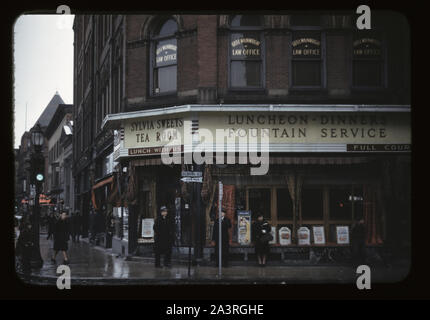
x,y
37,177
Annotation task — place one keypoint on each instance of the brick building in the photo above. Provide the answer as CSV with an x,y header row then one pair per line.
x,y
334,99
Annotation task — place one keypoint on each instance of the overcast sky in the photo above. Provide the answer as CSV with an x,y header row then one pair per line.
x,y
43,62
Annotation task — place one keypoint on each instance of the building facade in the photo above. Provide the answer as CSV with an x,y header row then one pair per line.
x,y
25,190
59,182
333,102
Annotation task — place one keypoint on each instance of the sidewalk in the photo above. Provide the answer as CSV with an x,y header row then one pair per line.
x,y
91,265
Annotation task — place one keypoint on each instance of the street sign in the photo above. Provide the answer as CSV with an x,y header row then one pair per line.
x,y
191,173
192,179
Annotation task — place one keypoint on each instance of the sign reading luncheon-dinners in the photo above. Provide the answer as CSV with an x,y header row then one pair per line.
x,y
287,131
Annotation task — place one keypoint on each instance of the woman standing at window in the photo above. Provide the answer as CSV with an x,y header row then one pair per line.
x,y
262,237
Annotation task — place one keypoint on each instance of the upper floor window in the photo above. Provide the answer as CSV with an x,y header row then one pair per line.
x,y
164,58
246,52
307,55
367,60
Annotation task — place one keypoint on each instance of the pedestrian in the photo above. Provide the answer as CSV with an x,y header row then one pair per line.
x,y
358,241
164,236
262,237
61,237
51,224
225,226
25,245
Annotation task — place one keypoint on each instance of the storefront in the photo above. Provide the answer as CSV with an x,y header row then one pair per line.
x,y
309,169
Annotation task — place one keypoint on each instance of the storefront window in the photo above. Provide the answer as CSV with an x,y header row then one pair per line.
x,y
259,202
312,203
164,61
284,204
246,52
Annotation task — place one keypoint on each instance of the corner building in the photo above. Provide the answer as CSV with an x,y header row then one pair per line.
x,y
334,101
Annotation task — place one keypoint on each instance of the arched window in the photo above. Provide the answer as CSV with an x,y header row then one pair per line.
x,y
246,52
164,57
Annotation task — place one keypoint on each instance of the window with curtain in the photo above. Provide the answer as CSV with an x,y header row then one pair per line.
x,y
368,61
307,52
246,52
164,57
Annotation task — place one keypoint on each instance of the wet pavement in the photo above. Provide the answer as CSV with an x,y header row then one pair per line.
x,y
95,265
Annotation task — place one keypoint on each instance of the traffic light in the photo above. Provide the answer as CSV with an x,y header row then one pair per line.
x,y
38,169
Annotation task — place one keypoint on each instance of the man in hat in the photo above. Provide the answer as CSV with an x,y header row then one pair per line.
x,y
225,226
164,236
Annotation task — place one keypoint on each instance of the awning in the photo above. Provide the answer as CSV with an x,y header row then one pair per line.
x,y
277,160
98,185
102,183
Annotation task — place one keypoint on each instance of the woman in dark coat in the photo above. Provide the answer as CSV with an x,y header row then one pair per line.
x,y
260,232
61,237
164,236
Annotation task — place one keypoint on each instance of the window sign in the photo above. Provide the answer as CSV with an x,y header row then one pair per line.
x,y
342,233
165,53
245,46
147,228
306,46
284,236
367,47
244,227
304,236
319,237
273,232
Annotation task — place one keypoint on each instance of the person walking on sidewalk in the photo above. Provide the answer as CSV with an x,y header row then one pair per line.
x,y
225,226
164,236
262,237
61,237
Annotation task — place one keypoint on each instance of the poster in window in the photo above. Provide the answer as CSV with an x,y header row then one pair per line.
x,y
319,237
147,228
284,236
342,233
304,236
273,232
244,227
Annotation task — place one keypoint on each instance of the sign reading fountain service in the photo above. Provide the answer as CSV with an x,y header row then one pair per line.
x,y
285,132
